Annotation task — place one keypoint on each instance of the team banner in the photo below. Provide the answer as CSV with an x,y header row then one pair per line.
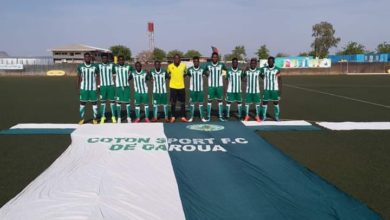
x,y
178,171
11,66
299,62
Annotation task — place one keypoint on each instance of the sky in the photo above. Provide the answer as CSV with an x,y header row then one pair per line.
x,y
31,28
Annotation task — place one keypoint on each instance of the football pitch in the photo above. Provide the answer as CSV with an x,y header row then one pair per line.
x,y
355,161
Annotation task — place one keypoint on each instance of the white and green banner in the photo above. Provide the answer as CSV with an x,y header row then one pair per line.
x,y
178,171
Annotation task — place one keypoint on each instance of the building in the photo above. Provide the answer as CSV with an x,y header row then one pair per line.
x,y
75,53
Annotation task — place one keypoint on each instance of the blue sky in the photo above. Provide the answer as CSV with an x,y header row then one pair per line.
x,y
32,27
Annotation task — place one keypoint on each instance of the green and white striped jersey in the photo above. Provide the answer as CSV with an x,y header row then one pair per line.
x,y
140,79
159,81
234,77
122,75
88,74
105,74
196,80
252,79
271,78
215,73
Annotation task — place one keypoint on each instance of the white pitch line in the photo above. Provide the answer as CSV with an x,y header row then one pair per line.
x,y
338,96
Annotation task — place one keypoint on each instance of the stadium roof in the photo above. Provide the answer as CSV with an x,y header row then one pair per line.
x,y
79,47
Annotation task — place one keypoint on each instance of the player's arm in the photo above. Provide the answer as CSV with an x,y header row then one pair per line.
x,y
130,75
78,78
188,73
168,73
243,77
97,75
206,71
113,73
279,75
262,72
226,76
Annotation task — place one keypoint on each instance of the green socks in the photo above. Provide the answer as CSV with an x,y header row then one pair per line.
x,y
257,110
239,107
277,111
118,110
95,110
137,112
166,111
220,110
146,111
82,111
192,109
265,111
209,110
113,109
246,110
228,110
155,111
102,109
128,110
201,111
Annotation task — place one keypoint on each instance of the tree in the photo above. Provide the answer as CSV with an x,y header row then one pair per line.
x,y
352,48
238,52
324,38
145,56
304,54
124,51
383,48
172,53
192,53
159,54
280,54
263,52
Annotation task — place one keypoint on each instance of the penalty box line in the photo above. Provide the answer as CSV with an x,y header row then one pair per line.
x,y
338,96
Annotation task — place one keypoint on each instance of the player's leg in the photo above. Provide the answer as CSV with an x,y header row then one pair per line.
x,y
276,111
94,101
155,107
210,99
164,102
173,100
145,101
220,103
200,101
264,110
95,112
239,110
126,101
191,111
111,98
119,97
229,100
137,101
192,105
155,112
83,102
82,112
266,98
102,104
239,104
258,108
182,99
128,112
119,111
248,101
